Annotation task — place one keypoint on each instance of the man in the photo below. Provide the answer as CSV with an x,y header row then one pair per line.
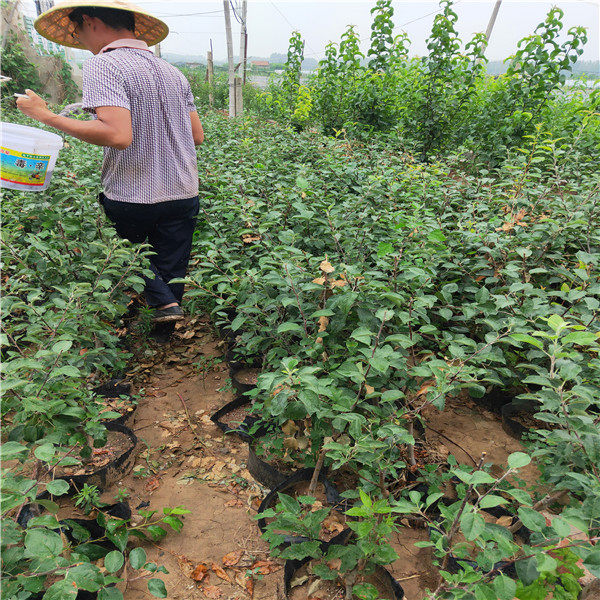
x,y
147,122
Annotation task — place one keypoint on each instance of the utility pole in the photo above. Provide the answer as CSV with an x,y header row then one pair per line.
x,y
490,26
244,40
210,75
157,51
232,108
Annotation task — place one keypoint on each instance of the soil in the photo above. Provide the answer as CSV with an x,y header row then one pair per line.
x,y
466,427
117,444
189,462
414,568
235,417
315,589
247,376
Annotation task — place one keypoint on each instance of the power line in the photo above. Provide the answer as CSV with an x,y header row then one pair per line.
x,y
240,21
293,28
210,12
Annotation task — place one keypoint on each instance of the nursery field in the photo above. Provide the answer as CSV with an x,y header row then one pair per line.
x,y
387,385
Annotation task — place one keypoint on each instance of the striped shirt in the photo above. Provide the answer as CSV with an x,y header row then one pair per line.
x,y
160,164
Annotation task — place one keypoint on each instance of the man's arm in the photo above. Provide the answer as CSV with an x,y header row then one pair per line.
x,y
197,130
111,128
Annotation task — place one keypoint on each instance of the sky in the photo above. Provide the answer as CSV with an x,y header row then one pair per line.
x,y
194,23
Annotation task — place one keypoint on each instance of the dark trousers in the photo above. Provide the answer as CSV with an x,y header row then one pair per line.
x,y
168,227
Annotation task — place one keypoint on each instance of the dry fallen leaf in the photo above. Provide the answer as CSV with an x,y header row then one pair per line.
x,y
234,502
211,591
326,267
152,484
185,565
250,586
505,521
289,427
299,580
200,572
319,280
323,322
425,388
264,567
232,558
219,572
247,238
290,443
369,389
338,283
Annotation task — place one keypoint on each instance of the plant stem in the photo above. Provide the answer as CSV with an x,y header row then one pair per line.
x,y
315,476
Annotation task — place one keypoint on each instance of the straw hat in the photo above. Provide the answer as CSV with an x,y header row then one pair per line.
x,y
55,25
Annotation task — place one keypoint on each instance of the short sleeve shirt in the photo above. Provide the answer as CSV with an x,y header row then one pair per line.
x,y
161,163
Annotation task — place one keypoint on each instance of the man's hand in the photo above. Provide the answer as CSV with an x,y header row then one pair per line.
x,y
33,106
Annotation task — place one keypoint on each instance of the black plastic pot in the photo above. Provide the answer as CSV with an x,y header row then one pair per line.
x,y
243,429
113,471
301,476
114,388
239,386
292,566
510,411
264,473
238,362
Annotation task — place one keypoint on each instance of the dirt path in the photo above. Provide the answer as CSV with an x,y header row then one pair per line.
x,y
186,461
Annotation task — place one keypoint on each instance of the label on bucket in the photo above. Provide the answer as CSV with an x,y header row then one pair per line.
x,y
20,167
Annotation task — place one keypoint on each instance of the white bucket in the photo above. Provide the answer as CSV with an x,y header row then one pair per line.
x,y
28,157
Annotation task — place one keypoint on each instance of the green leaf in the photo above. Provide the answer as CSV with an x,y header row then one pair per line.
x,y
521,496
10,450
58,487
110,593
485,592
518,460
532,519
384,249
174,522
562,528
237,322
61,590
289,326
522,337
45,452
581,338
156,532
472,525
157,588
43,543
362,334
290,504
592,562
86,576
491,500
556,322
504,587
62,346
113,561
137,558
545,563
